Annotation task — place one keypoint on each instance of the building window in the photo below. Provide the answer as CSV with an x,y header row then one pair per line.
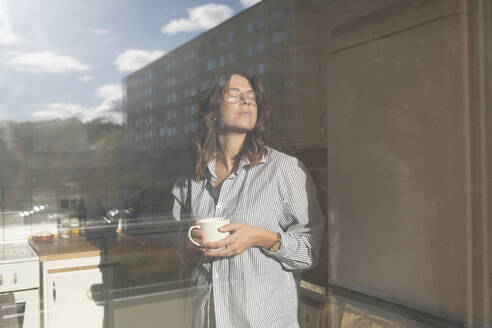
x,y
189,75
261,69
260,23
222,40
221,61
171,98
171,131
191,127
172,114
204,85
250,50
162,131
210,64
190,56
278,37
171,64
230,58
251,71
230,36
277,13
171,81
261,46
291,36
190,92
250,27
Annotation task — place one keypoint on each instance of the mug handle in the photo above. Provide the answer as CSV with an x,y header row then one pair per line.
x,y
189,235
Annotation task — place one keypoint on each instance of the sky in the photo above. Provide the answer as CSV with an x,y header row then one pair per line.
x,y
65,58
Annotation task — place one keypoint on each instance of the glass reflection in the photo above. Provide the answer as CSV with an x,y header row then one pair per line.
x,y
384,102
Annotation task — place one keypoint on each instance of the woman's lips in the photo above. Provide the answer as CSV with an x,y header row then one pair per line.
x,y
244,113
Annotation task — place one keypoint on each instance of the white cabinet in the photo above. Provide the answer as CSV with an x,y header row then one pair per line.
x,y
72,292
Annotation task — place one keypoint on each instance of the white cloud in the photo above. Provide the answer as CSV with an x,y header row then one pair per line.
x,y
7,36
100,31
199,18
109,92
133,59
86,78
45,62
60,110
249,3
108,110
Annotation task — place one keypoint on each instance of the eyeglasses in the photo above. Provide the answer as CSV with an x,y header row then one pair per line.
x,y
232,96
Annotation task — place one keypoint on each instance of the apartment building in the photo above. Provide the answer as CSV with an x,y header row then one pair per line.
x,y
162,98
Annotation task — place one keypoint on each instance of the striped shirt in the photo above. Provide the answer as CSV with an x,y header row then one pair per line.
x,y
257,288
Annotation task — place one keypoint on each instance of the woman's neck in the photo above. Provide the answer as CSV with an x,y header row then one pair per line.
x,y
229,146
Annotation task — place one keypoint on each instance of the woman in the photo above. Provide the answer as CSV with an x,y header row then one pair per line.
x,y
276,222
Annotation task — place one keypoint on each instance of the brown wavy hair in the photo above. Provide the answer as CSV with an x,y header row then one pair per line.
x,y
206,143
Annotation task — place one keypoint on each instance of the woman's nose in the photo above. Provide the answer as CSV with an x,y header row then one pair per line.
x,y
244,98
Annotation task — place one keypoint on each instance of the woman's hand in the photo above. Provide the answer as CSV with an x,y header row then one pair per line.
x,y
242,237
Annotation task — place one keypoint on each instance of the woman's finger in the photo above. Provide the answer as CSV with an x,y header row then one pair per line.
x,y
227,250
197,234
223,252
215,244
230,227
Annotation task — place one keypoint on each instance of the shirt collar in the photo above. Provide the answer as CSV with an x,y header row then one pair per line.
x,y
242,163
211,167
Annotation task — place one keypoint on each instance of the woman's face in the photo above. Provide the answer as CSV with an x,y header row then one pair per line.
x,y
239,111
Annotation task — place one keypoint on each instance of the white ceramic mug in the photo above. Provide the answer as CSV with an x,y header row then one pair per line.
x,y
210,228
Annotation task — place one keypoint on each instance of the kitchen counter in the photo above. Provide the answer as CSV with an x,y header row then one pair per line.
x,y
140,264
161,245
61,249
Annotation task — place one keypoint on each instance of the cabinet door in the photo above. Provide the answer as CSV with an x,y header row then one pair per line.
x,y
70,299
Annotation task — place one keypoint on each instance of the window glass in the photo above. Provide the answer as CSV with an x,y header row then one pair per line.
x,y
352,162
261,46
211,64
250,27
261,68
278,37
250,50
260,23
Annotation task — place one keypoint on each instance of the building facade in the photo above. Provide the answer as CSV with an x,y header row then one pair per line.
x,y
162,98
